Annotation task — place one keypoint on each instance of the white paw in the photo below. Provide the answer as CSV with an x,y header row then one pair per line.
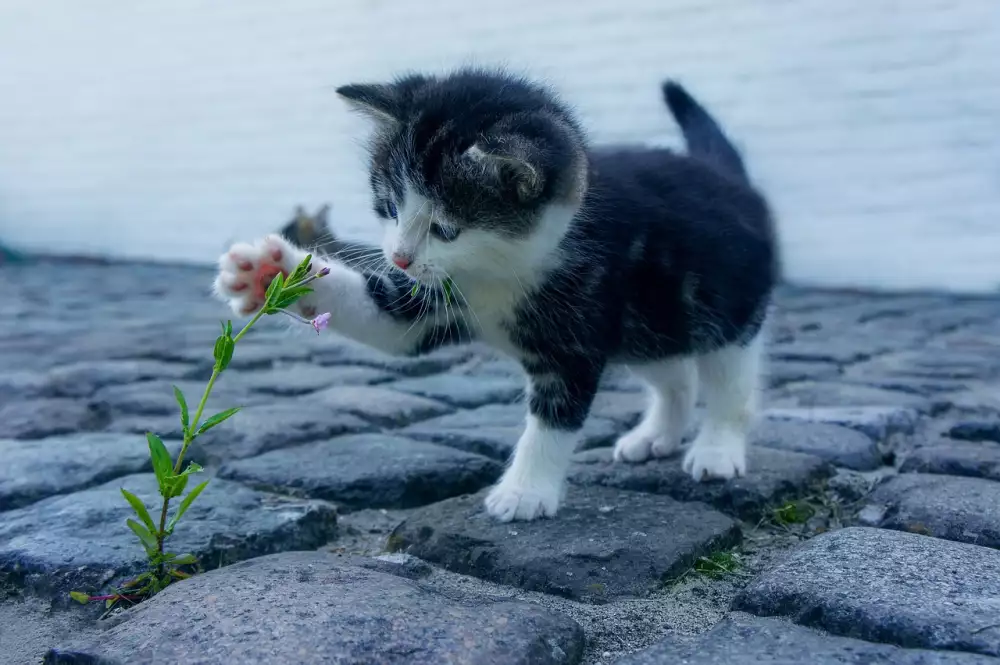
x,y
245,271
641,443
510,501
719,455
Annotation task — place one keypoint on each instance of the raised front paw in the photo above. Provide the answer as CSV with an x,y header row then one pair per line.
x,y
245,271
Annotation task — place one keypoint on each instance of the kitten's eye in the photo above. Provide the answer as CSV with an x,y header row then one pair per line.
x,y
445,233
390,208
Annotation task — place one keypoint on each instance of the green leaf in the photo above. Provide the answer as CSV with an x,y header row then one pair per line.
x,y
192,467
184,560
162,466
185,418
135,581
273,289
223,351
283,303
415,290
290,295
79,597
218,418
230,347
185,504
148,539
139,509
229,328
300,271
175,486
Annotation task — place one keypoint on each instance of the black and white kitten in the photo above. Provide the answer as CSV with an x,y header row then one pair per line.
x,y
566,258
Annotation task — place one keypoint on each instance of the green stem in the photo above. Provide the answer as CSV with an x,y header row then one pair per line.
x,y
189,434
256,317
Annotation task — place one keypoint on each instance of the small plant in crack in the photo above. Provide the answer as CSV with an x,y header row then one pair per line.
x,y
713,566
792,512
717,564
165,567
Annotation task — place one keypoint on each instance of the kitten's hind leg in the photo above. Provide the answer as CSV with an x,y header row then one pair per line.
x,y
673,390
730,385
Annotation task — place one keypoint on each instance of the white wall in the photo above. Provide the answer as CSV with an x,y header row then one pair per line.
x,y
167,129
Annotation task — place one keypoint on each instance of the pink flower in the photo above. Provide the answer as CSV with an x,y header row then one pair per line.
x,y
321,322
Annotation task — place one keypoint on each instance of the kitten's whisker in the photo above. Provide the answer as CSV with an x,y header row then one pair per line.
x,y
421,313
467,305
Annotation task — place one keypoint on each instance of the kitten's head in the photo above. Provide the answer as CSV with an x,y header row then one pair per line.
x,y
477,173
308,231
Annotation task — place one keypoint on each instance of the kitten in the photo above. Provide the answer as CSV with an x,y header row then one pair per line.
x,y
504,227
312,232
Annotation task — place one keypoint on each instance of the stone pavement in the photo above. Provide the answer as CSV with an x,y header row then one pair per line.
x,y
343,523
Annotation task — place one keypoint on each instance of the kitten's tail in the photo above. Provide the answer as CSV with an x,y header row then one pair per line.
x,y
705,138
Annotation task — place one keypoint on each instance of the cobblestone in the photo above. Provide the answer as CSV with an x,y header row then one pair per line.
x,y
978,459
774,476
886,586
881,410
37,469
605,543
746,639
952,507
313,607
80,541
833,443
367,471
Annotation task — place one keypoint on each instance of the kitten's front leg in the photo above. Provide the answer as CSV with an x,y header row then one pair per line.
x,y
532,486
378,309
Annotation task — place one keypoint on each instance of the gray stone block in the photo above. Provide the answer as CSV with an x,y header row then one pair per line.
x,y
40,468
301,379
836,444
494,429
886,586
877,422
80,541
976,430
952,507
315,607
379,405
464,391
40,418
602,543
813,394
979,459
262,428
745,640
86,377
773,476
367,471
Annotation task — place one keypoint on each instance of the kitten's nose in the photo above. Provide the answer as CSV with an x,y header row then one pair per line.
x,y
401,261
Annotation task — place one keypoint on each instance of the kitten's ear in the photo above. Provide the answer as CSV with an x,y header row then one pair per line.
x,y
378,101
511,163
322,213
387,103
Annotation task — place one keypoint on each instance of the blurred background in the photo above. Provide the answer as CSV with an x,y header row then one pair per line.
x,y
167,130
